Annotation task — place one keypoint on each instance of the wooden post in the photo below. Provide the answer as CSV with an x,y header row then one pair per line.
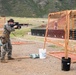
x,y
66,34
73,28
46,34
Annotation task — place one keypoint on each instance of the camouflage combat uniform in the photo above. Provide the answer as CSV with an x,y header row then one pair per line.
x,y
7,47
0,51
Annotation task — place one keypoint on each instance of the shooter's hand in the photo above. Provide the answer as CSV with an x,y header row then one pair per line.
x,y
15,26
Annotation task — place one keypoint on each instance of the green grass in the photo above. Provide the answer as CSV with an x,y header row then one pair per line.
x,y
20,32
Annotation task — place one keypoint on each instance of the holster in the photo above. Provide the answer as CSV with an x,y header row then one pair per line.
x,y
3,40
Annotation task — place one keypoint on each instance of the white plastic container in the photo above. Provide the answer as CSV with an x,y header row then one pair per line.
x,y
42,53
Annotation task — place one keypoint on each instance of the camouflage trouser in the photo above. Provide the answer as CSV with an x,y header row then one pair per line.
x,y
6,48
0,51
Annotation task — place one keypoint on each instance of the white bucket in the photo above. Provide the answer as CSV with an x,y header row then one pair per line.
x,y
42,53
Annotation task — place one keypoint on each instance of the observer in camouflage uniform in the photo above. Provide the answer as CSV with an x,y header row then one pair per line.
x,y
7,47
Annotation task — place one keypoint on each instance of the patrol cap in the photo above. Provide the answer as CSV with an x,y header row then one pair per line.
x,y
10,20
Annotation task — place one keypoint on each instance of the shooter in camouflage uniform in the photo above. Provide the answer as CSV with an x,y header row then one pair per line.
x,y
7,47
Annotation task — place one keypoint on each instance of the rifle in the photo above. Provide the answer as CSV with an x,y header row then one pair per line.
x,y
16,24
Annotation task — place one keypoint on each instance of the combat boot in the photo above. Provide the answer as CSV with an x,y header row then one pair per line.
x,y
10,58
3,61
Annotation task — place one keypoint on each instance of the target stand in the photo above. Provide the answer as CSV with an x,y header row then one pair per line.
x,y
63,20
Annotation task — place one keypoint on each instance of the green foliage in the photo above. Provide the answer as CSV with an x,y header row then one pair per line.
x,y
66,4
34,8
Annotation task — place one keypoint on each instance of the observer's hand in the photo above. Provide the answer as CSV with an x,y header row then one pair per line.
x,y
15,26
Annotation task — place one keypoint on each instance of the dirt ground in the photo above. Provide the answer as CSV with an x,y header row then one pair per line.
x,y
29,66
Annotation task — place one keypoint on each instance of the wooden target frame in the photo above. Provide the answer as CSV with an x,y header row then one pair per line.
x,y
69,14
